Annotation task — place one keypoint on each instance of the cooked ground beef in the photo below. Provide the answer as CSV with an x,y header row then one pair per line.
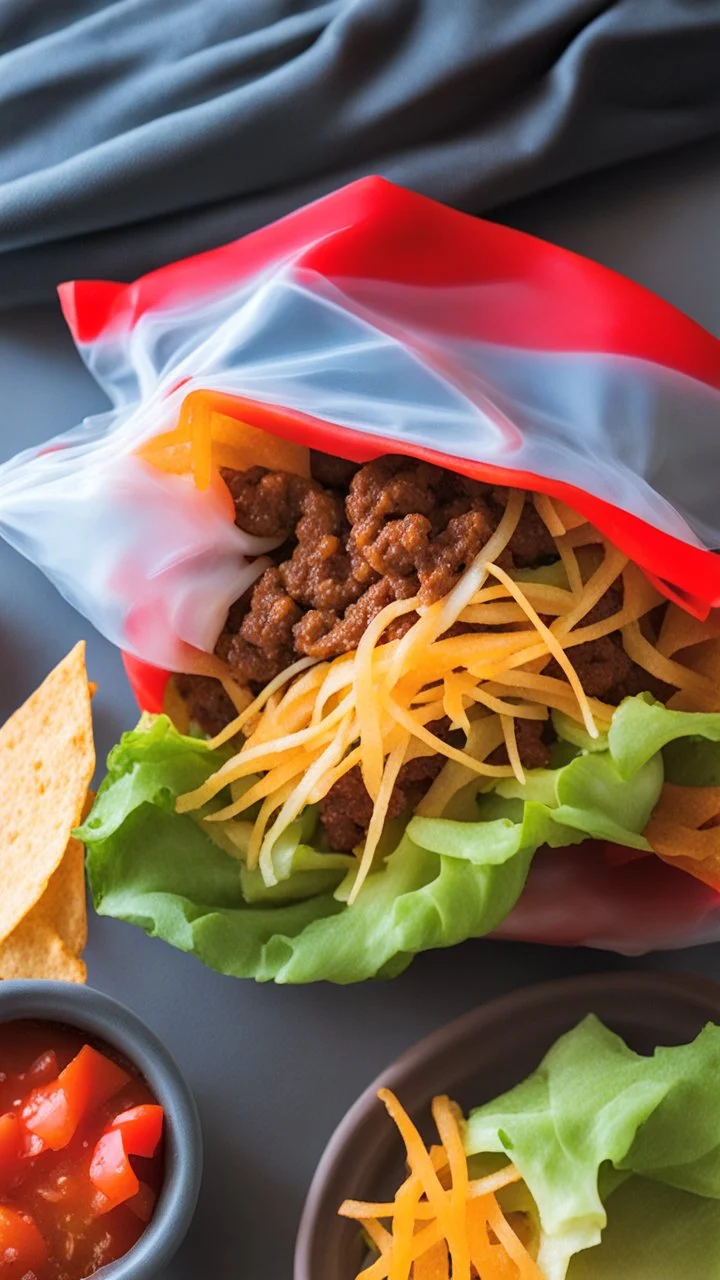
x,y
347,808
534,738
604,668
354,539
263,644
404,528
207,702
267,503
322,634
334,473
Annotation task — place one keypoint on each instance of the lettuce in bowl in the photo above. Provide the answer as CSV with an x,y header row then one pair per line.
x,y
621,1155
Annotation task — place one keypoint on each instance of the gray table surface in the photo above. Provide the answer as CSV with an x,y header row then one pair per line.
x,y
274,1069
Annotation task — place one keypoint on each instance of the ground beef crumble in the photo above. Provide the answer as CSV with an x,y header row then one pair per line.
x,y
401,528
353,539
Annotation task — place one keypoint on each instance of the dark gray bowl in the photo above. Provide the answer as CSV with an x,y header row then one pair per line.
x,y
474,1060
107,1020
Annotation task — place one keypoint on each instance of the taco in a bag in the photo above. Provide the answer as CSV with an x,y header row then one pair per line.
x,y
433,681
405,524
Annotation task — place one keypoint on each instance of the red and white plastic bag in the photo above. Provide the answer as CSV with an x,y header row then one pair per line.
x,y
370,322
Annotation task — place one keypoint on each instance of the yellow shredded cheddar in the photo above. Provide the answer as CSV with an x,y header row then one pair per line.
x,y
646,655
570,564
553,645
446,1123
442,1223
246,715
433,1264
392,768
208,437
380,1236
594,589
511,746
363,687
549,516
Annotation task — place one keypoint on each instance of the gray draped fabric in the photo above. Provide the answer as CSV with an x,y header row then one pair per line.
x,y
133,132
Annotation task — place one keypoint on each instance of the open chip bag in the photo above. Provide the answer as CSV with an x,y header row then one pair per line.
x,y
406,524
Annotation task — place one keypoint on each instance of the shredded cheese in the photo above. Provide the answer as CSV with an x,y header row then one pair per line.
x,y
298,797
547,691
433,1264
511,746
400,1257
208,436
646,655
570,519
446,1123
238,694
485,735
599,583
455,696
248,713
372,839
369,1211
549,516
365,702
570,564
553,645
379,1235
681,630
440,1226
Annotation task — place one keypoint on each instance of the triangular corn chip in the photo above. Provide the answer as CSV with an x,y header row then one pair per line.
x,y
47,759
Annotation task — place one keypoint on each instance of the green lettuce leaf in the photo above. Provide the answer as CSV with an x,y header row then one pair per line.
x,y
438,882
595,1119
654,1233
641,727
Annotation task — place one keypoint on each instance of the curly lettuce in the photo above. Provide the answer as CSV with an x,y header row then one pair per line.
x,y
441,881
621,1154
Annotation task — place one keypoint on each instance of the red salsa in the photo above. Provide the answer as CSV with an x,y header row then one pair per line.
x,y
81,1158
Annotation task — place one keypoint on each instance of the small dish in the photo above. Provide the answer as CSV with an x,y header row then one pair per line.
x,y
109,1021
474,1059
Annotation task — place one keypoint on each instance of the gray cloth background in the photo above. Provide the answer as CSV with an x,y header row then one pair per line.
x,y
136,131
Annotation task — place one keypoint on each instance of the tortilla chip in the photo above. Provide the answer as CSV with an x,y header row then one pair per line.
x,y
47,759
63,905
48,942
35,950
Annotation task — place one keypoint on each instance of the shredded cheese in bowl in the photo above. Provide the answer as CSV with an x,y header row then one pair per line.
x,y
442,1222
375,707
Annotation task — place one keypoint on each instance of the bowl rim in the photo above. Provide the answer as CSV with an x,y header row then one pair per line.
x,y
646,984
90,1010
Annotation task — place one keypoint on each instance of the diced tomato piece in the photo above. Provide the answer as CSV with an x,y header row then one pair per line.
x,y
47,1118
143,1203
111,1172
53,1111
141,1128
91,1079
10,1147
44,1068
22,1248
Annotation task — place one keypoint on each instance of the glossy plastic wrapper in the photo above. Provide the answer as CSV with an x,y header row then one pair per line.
x,y
378,321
